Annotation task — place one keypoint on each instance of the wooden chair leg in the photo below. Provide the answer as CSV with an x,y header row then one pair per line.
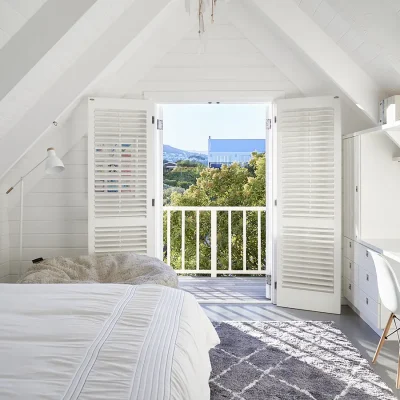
x,y
383,339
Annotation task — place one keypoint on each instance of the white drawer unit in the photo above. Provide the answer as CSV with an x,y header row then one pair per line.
x,y
351,292
360,286
369,309
350,270
348,248
368,283
362,257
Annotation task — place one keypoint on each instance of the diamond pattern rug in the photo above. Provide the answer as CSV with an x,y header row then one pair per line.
x,y
296,360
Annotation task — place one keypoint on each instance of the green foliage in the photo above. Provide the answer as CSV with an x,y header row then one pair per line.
x,y
185,174
183,184
229,186
189,164
168,192
170,182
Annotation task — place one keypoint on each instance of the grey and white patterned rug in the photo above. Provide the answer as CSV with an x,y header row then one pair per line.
x,y
296,360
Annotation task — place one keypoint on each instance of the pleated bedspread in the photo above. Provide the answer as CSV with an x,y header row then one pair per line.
x,y
95,342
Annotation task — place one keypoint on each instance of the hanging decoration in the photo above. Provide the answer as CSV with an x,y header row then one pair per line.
x,y
202,6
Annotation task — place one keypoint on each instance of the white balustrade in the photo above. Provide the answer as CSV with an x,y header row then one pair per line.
x,y
212,240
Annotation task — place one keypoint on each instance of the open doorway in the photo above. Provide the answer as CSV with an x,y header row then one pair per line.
x,y
215,199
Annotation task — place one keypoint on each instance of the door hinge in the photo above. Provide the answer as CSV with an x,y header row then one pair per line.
x,y
276,202
153,202
269,123
356,189
153,119
275,119
276,285
160,124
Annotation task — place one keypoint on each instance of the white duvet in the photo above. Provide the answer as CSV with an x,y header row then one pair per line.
x,y
103,342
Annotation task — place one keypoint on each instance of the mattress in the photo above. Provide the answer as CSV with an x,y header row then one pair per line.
x,y
91,341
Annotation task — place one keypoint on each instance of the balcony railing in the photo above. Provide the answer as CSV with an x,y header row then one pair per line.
x,y
215,240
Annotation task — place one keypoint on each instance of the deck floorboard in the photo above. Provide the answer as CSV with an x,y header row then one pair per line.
x,y
225,290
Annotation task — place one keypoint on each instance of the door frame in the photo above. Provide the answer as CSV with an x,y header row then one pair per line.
x,y
223,97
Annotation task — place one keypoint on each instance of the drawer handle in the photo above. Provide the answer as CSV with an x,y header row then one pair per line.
x,y
366,300
349,286
367,277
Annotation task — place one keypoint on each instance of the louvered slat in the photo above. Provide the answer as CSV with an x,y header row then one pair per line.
x,y
308,198
119,147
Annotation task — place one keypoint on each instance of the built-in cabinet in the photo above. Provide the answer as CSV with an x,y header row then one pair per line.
x,y
371,209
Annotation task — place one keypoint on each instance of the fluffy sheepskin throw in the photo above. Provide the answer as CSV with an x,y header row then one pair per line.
x,y
127,268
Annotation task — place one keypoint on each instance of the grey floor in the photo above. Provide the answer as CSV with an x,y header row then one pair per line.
x,y
358,332
222,290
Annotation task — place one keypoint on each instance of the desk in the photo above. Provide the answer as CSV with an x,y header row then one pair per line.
x,y
389,248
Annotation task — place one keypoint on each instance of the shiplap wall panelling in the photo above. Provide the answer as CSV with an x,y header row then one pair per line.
x,y
229,62
4,237
55,214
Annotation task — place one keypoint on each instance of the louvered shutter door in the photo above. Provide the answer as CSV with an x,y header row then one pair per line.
x,y
309,204
121,176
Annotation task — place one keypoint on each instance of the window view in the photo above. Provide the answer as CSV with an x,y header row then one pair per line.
x,y
214,189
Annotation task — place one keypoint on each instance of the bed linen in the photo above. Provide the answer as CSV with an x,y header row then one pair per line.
x,y
95,342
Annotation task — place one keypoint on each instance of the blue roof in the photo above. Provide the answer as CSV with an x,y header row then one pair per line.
x,y
236,145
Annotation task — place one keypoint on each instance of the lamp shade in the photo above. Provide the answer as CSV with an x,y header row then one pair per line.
x,y
53,164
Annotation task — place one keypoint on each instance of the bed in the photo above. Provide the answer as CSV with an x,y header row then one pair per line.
x,y
110,341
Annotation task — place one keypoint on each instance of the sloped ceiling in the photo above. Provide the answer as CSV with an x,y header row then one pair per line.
x,y
225,61
127,48
14,14
367,30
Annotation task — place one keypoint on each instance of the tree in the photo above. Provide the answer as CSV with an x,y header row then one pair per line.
x,y
232,185
184,174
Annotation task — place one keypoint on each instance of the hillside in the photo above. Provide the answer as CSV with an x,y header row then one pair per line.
x,y
173,154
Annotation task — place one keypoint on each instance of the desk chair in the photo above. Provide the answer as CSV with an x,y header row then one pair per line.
x,y
389,292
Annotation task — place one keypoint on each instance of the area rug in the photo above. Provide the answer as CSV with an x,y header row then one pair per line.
x,y
296,360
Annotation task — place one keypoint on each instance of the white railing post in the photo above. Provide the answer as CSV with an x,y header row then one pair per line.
x,y
259,238
197,240
183,240
169,237
229,240
213,243
244,241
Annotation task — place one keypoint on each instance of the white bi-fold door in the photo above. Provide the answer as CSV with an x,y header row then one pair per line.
x,y
121,172
309,204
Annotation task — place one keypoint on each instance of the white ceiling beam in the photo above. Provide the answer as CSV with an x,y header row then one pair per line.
x,y
325,53
91,27
36,38
77,78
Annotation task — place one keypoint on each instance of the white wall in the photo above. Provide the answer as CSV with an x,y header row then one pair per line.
x,y
4,237
55,214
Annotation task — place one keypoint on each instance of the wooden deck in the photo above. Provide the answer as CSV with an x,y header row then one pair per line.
x,y
225,290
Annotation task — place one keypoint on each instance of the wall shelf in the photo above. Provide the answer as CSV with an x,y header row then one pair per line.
x,y
391,130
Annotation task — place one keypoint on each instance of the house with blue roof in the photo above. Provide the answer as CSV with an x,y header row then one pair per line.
x,y
227,151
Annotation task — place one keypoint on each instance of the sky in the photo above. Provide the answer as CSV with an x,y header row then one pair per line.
x,y
188,126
